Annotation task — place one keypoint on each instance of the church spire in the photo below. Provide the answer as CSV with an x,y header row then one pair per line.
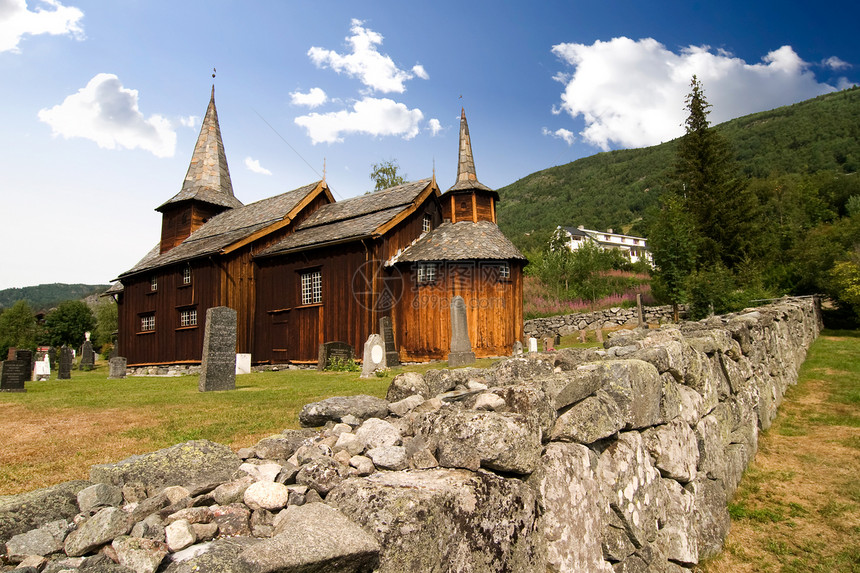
x,y
466,176
208,177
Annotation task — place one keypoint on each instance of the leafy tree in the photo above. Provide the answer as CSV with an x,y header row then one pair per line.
x,y
68,323
18,328
845,276
106,321
386,174
674,244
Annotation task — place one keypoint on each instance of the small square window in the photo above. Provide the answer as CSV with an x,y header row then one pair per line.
x,y
312,287
188,317
153,284
504,271
186,276
147,323
427,224
426,273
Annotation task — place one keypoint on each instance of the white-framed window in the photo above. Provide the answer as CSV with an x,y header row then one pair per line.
x,y
153,283
504,271
186,276
188,317
427,224
426,273
312,287
147,323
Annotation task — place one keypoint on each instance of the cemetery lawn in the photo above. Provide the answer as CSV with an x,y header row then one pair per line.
x,y
57,429
798,505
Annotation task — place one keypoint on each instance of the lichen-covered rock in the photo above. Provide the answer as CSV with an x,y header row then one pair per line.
x,y
98,496
233,520
98,530
470,439
314,537
592,419
579,383
636,387
375,433
141,555
468,521
389,457
517,370
282,446
219,556
674,450
408,384
25,511
336,408
678,539
322,474
574,512
267,495
42,541
194,462
406,405
711,514
529,401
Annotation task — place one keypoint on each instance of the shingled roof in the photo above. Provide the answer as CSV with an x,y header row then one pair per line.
x,y
352,219
467,178
460,241
208,178
228,228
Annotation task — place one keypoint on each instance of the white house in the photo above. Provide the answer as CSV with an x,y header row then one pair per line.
x,y
636,248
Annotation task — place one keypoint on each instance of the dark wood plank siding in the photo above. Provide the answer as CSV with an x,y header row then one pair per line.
x,y
469,206
179,221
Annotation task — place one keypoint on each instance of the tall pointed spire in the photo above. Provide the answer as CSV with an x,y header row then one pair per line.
x,y
208,177
466,176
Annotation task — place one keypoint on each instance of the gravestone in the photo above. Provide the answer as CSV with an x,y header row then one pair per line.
x,y
13,374
518,348
243,363
64,369
547,345
386,329
329,350
25,356
461,349
582,336
42,368
598,332
118,366
88,356
532,345
374,356
218,371
639,313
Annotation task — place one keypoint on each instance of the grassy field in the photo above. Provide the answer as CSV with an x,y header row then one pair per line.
x,y
798,506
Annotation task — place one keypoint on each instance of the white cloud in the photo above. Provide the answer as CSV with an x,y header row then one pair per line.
x,y
107,113
254,165
16,21
434,126
420,72
631,93
377,71
835,63
561,133
190,121
314,98
371,116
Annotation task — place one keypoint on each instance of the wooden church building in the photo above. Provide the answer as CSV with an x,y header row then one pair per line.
x,y
301,269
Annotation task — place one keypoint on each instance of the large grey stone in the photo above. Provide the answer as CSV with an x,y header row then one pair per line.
x,y
141,555
321,474
592,419
318,538
678,539
25,511
99,495
375,433
575,514
504,442
194,462
336,408
674,449
101,528
579,383
407,384
636,387
42,541
443,519
531,402
219,556
282,446
267,495
711,515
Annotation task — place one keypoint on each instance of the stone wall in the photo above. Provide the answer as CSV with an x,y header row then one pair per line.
x,y
613,459
608,318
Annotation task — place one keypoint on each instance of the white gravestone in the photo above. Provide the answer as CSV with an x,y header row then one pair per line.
x,y
243,364
374,356
533,345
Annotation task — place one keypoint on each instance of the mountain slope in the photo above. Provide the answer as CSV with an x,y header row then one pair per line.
x,y
44,297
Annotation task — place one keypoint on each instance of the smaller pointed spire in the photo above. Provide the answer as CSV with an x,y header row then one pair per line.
x,y
466,176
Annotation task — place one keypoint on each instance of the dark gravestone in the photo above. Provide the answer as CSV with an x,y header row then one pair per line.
x,y
386,329
13,374
218,370
117,367
461,349
64,367
329,350
88,356
52,355
25,356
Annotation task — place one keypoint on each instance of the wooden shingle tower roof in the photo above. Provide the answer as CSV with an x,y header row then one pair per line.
x,y
208,177
467,178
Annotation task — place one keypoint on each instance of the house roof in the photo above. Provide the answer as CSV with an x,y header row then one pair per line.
x,y
460,241
231,227
597,235
208,177
353,219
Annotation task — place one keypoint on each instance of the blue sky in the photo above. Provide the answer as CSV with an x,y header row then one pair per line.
x,y
101,101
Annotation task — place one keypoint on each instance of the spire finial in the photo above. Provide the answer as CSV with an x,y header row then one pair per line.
x,y
324,173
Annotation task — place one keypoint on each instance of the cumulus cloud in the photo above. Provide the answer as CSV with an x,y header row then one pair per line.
x,y
434,126
377,71
631,93
370,116
254,165
107,113
835,63
314,98
420,72
561,133
16,21
190,121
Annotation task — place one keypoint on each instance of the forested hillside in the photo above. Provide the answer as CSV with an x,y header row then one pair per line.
x,y
816,142
45,297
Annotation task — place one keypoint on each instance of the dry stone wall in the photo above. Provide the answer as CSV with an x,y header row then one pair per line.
x,y
609,460
608,318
